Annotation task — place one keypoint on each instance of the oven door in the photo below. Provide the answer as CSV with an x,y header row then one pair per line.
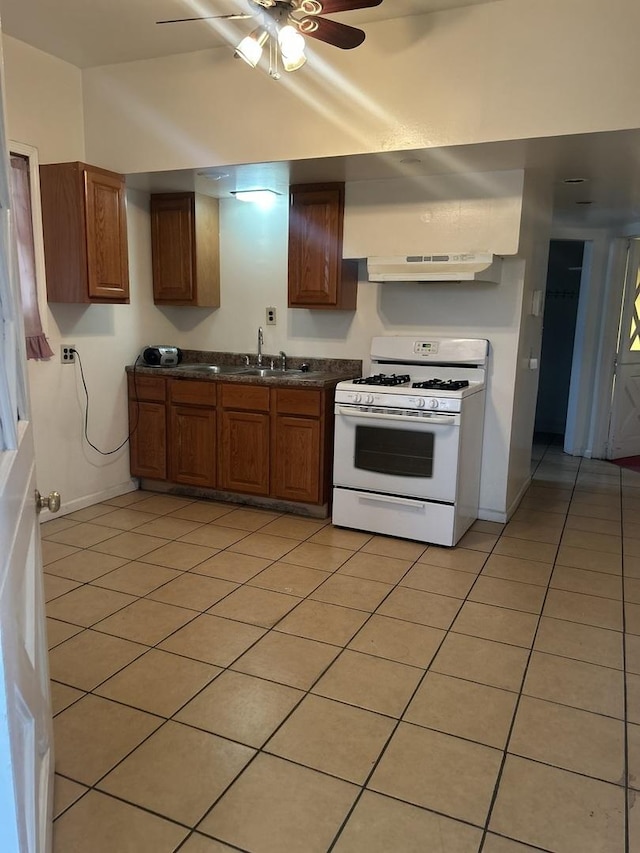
x,y
396,452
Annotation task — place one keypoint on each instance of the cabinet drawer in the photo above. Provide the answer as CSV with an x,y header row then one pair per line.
x,y
290,401
144,387
192,392
250,397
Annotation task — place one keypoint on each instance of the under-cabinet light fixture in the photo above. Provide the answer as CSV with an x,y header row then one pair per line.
x,y
256,196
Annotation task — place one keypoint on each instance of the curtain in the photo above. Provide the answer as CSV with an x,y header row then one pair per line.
x,y
37,344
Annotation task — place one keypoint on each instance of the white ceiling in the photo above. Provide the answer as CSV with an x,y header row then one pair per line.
x,y
96,32
101,32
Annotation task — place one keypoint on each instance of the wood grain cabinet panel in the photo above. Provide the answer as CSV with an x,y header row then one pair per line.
x,y
192,445
244,452
148,441
148,426
318,276
185,249
296,463
85,233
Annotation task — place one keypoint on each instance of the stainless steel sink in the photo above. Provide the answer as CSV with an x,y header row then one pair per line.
x,y
212,368
265,371
289,373
241,369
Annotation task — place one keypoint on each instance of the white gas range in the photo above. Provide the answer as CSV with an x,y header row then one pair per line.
x,y
408,439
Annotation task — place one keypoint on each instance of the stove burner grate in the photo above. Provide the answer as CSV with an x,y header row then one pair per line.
x,y
442,384
384,379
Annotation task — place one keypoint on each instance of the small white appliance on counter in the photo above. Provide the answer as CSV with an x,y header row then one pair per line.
x,y
408,439
161,356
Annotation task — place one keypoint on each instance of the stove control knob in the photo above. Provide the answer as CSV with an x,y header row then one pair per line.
x,y
369,399
433,403
420,402
356,398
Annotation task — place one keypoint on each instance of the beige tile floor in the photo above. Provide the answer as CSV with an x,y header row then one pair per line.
x,y
231,679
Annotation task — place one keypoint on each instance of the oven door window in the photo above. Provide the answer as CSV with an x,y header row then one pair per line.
x,y
401,452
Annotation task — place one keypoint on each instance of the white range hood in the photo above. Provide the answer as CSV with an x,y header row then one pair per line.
x,y
462,266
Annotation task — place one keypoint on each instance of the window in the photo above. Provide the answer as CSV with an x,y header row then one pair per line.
x,y
25,195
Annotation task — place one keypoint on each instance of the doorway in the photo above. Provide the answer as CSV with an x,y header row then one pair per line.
x,y
564,274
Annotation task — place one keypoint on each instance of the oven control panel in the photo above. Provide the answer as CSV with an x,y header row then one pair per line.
x,y
399,401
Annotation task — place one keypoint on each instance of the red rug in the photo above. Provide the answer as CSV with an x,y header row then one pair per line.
x,y
632,462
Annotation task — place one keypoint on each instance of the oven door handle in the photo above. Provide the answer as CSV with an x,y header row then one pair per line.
x,y
387,499
429,418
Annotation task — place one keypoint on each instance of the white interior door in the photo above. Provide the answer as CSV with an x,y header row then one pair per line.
x,y
624,430
26,751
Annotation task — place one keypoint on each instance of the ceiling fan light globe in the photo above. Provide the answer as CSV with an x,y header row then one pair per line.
x,y
293,63
290,41
250,48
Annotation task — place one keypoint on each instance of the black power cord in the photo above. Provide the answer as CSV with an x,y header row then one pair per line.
x,y
86,411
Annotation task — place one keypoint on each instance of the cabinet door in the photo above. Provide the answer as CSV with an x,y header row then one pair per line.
x,y
106,226
148,442
185,249
244,452
318,277
85,233
296,468
193,446
172,247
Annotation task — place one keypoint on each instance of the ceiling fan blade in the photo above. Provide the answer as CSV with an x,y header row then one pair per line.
x,y
330,7
236,17
339,35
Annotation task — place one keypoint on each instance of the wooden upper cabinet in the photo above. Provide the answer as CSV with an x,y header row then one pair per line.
x,y
84,224
318,276
185,249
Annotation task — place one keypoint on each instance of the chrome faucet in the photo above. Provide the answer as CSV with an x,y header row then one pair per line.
x,y
283,360
260,343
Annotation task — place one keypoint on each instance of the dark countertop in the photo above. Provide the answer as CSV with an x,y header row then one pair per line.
x,y
322,373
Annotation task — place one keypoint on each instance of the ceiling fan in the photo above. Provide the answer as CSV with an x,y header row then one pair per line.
x,y
283,25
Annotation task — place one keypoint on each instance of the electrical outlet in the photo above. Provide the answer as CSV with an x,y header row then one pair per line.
x,y
67,354
271,316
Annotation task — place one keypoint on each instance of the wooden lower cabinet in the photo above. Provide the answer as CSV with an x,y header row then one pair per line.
x,y
244,452
296,463
148,426
148,442
192,432
192,456
251,439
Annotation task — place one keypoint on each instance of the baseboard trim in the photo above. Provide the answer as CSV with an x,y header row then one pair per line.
x,y
503,517
88,500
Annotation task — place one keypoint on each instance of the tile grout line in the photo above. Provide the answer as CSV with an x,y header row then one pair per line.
x,y
627,840
506,753
342,648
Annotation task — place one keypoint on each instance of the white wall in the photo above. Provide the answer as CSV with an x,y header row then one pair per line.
x,y
534,247
43,102
44,109
470,212
505,70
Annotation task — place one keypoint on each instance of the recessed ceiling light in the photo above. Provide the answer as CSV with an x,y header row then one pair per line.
x,y
575,180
